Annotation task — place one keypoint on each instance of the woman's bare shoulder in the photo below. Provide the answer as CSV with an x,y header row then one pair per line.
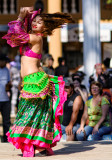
x,y
35,38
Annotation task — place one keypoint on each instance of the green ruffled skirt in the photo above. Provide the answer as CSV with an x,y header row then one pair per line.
x,y
40,112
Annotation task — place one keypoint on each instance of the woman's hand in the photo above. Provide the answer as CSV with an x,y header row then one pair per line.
x,y
69,130
24,11
80,129
77,89
95,129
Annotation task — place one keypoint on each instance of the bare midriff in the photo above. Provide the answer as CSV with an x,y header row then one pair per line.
x,y
29,65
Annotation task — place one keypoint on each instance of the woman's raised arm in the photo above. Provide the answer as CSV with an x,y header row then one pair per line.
x,y
17,35
23,12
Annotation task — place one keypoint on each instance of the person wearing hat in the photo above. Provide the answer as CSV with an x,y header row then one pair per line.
x,y
5,106
72,112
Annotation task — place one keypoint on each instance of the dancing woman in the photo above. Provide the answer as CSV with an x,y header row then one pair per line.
x,y
37,124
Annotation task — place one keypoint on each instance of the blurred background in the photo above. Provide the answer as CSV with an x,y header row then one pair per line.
x,y
83,44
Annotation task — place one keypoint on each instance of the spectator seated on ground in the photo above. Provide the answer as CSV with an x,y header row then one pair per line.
x,y
80,89
109,97
73,110
79,74
97,109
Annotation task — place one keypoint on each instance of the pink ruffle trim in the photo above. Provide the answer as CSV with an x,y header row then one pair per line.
x,y
59,109
21,142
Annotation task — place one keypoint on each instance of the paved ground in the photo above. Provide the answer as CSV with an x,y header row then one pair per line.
x,y
101,150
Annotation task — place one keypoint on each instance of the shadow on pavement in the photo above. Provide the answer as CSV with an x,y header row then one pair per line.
x,y
75,147
104,142
72,147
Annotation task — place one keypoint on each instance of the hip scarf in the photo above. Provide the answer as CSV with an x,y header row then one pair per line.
x,y
40,112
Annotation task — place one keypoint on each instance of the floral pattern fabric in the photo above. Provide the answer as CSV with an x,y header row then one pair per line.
x,y
95,112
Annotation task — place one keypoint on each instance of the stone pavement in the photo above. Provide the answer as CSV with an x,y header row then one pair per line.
x,y
100,150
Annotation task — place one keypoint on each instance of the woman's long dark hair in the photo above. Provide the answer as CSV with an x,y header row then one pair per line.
x,y
55,20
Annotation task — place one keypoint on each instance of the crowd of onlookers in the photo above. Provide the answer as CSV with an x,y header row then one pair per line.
x,y
87,113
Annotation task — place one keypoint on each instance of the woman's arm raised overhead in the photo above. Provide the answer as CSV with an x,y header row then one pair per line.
x,y
17,35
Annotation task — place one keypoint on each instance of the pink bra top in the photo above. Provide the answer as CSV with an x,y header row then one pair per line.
x,y
26,51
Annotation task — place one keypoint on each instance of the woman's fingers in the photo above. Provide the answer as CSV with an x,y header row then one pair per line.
x,y
78,131
22,9
69,132
82,129
29,9
26,9
30,12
